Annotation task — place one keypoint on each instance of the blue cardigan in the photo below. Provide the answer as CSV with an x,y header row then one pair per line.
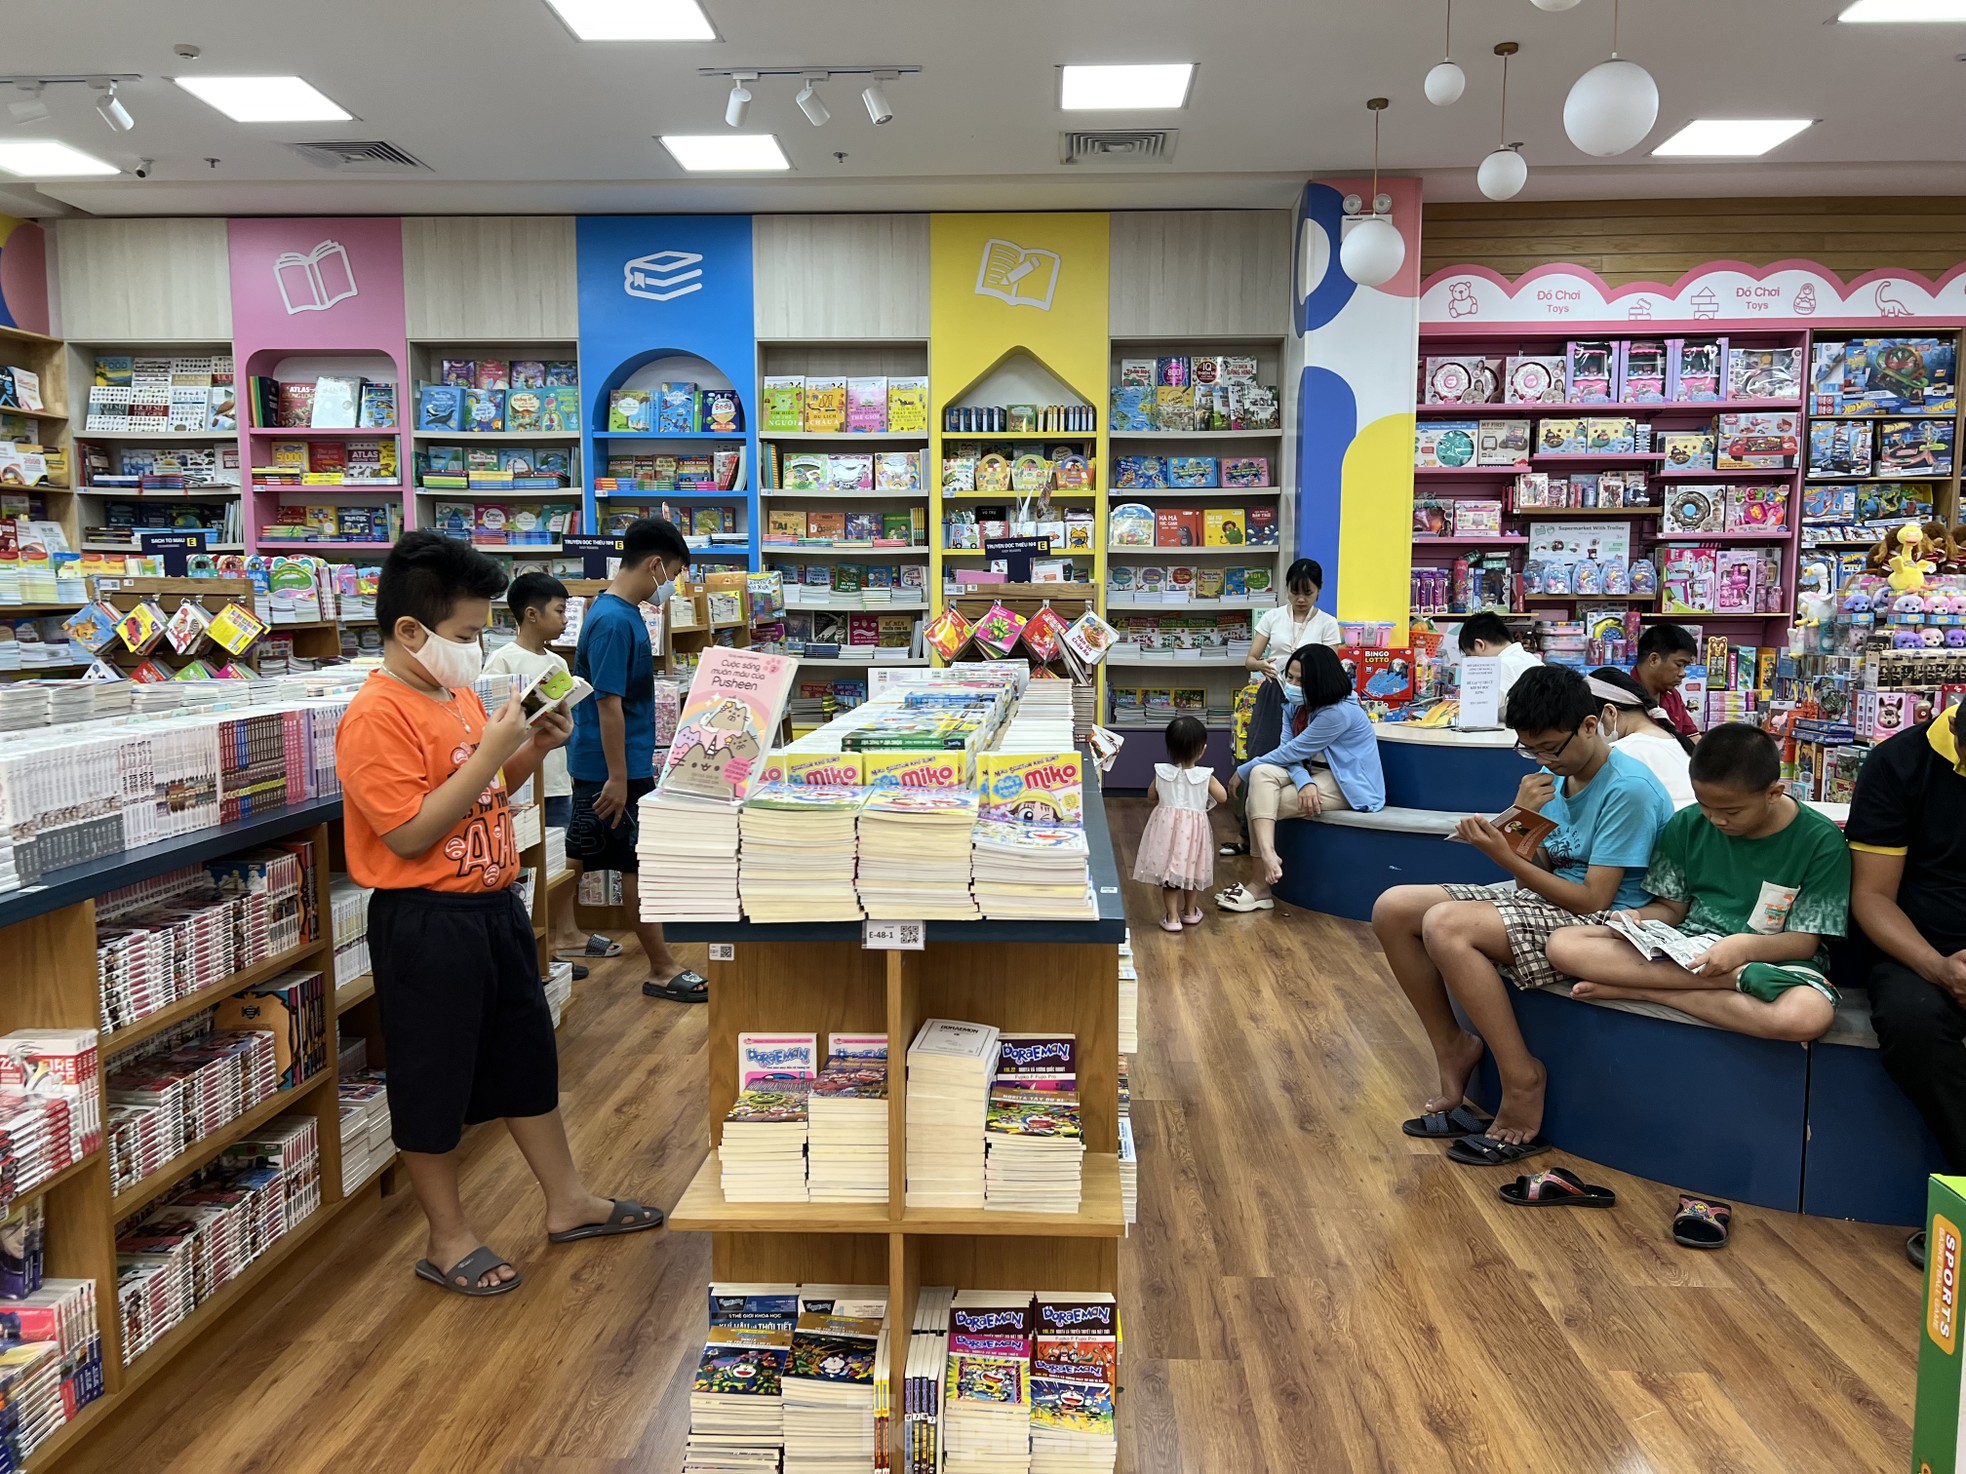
x,y
1341,734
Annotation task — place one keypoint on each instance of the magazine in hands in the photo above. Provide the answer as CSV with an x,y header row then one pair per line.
x,y
1657,939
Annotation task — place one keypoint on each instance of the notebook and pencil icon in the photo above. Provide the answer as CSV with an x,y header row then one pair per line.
x,y
1018,275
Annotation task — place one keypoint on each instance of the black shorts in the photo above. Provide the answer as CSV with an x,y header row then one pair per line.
x,y
595,843
465,1027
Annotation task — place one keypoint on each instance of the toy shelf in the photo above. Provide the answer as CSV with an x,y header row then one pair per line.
x,y
1587,458
1934,481
1599,598
1469,473
1700,407
1757,472
1721,537
1538,513
1421,540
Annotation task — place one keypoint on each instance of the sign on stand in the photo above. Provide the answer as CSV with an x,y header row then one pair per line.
x,y
894,936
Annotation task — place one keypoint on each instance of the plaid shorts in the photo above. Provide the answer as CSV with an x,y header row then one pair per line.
x,y
1528,919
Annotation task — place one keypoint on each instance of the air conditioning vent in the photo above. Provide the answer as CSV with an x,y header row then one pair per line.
x,y
354,157
1118,146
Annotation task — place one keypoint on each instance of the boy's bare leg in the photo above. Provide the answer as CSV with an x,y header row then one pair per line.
x,y
1397,917
542,1141
434,1177
1466,940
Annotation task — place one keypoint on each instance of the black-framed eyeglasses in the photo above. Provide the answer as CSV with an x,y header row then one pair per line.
x,y
1545,758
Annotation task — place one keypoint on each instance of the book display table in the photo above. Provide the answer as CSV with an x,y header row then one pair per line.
x,y
1034,976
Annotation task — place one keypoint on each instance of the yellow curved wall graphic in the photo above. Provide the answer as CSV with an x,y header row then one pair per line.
x,y
1375,538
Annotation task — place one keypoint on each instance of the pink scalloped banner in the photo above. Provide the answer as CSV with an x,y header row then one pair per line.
x,y
1720,294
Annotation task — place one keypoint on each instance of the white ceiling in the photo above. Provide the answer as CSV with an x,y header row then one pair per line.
x,y
515,116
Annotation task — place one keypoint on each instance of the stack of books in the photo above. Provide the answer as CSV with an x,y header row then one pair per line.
x,y
61,1315
915,854
686,855
986,1392
950,1066
847,1151
1129,1154
62,1066
829,1386
1035,1149
30,1388
924,1366
1032,872
1129,1030
736,1402
797,858
764,1145
1074,1370
365,1144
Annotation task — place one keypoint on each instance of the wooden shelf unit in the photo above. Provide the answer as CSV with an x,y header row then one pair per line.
x,y
47,427
50,932
1030,976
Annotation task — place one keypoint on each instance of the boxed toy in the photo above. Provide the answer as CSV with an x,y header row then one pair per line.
x,y
1535,379
1764,373
1687,450
1914,448
1643,370
1593,371
1560,438
1503,443
1757,508
1829,503
1445,443
1610,436
1246,471
1461,380
1477,518
1884,376
1698,508
1839,448
1758,440
1699,369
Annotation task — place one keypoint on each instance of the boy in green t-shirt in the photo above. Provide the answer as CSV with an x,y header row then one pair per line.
x,y
1768,876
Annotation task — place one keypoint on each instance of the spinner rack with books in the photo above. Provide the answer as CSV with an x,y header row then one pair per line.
x,y
883,567
1182,604
1032,976
616,396
522,482
173,468
316,640
1498,529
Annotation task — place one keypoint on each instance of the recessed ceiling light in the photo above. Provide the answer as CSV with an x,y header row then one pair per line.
x,y
1905,11
48,158
1731,138
1126,88
265,99
725,153
635,20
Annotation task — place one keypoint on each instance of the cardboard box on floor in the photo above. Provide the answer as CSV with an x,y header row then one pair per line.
x,y
1935,1435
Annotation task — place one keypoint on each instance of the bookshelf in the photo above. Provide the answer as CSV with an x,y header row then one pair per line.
x,y
824,579
51,931
500,513
53,500
1668,515
329,452
613,453
1031,976
318,641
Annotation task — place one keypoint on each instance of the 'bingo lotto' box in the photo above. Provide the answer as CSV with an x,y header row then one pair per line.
x,y
1041,788
815,768
1935,1429
941,769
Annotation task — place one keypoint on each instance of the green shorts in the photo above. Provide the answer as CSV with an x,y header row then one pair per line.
x,y
1769,980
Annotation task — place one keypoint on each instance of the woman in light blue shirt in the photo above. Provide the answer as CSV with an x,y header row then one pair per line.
x,y
1333,763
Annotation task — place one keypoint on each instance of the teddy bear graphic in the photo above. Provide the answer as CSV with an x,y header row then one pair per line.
x,y
714,754
1461,299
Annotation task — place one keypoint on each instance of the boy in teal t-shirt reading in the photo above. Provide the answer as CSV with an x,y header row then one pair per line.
x,y
1767,876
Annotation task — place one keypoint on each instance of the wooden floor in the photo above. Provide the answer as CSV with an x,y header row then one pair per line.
x,y
1308,1290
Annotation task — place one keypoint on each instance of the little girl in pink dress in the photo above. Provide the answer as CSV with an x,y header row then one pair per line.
x,y
1177,851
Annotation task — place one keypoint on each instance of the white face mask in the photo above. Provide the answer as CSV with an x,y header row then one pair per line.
x,y
664,590
450,663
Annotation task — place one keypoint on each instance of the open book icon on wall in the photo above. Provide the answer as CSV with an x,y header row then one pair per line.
x,y
316,281
1017,274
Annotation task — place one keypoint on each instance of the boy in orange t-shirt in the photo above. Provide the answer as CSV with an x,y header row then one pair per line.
x,y
424,775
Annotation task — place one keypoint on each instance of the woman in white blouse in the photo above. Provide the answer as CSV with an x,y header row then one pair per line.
x,y
1640,729
1293,624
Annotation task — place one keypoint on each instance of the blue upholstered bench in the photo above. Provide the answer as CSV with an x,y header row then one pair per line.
x,y
1339,862
1812,1128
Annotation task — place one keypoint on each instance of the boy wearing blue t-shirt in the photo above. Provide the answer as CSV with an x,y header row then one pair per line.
x,y
1442,939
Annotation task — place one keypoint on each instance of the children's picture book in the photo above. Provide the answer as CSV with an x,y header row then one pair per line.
x,y
484,410
785,403
336,399
764,1059
1655,939
727,723
523,410
439,407
377,410
630,411
1525,829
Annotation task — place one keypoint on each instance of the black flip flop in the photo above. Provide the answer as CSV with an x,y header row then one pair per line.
x,y
579,972
628,1216
1702,1223
1555,1187
1486,1151
1915,1249
1439,1125
465,1274
595,946
684,987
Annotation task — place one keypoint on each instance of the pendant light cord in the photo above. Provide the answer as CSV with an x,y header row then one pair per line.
x,y
1447,48
1614,30
1502,138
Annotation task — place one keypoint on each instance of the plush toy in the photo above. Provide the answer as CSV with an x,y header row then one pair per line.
x,y
1617,577
1909,564
1956,638
1934,639
1644,577
1907,640
1908,609
1857,602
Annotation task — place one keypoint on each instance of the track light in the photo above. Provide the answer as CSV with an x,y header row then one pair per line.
x,y
740,101
877,103
113,112
28,107
817,113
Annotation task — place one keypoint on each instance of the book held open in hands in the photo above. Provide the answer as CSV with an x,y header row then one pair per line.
x,y
1658,939
1525,829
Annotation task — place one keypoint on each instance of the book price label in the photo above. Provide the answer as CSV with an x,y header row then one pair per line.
x,y
894,936
723,951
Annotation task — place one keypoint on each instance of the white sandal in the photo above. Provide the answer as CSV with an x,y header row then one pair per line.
x,y
1237,898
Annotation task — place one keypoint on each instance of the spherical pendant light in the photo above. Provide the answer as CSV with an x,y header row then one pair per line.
x,y
1373,251
1611,108
1445,84
1502,174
